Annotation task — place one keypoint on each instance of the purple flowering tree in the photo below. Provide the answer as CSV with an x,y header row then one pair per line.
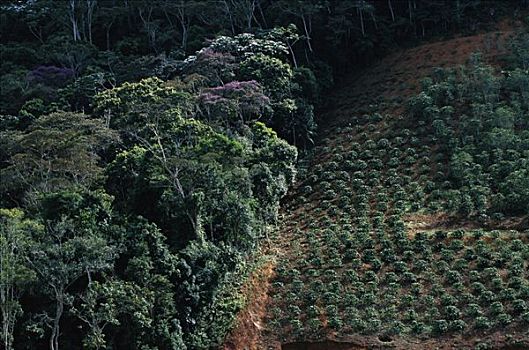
x,y
217,67
239,101
50,75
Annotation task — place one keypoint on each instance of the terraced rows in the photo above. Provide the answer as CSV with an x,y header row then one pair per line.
x,y
354,269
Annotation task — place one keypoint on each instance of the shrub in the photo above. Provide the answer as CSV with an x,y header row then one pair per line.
x,y
523,292
368,299
482,322
357,324
416,289
400,266
388,255
331,310
356,263
459,287
417,327
391,277
331,298
478,287
474,276
335,322
452,312
409,277
461,265
447,299
496,284
314,325
350,299
294,310
396,327
486,297
442,266
420,265
311,296
440,235
297,327
453,277
292,297
370,276
376,265
519,306
317,286
440,327
457,325
503,319
406,301
335,287
473,310
373,325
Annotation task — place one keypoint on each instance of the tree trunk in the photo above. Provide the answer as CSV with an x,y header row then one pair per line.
x,y
262,15
362,21
6,332
249,14
410,12
90,6
307,34
7,295
150,28
55,332
73,20
108,35
184,37
228,11
184,24
293,55
37,33
391,10
374,19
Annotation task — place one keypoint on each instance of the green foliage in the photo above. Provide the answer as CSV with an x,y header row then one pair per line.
x,y
192,197
57,151
380,276
15,273
487,171
130,107
72,243
143,241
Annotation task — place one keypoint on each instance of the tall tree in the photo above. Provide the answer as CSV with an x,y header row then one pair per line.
x,y
15,275
72,244
56,151
305,11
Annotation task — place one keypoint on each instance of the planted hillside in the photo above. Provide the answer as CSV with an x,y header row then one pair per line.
x,y
357,268
479,121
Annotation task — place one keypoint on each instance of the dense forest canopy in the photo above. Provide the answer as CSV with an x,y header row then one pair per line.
x,y
50,45
145,147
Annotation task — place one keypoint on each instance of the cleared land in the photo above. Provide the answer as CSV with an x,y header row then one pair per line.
x,y
363,261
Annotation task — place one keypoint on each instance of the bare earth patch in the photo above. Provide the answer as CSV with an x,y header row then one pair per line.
x,y
246,333
441,221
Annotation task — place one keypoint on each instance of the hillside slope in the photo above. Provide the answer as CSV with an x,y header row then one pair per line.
x,y
363,261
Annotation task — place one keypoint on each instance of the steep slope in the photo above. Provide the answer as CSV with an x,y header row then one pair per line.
x,y
385,86
362,262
